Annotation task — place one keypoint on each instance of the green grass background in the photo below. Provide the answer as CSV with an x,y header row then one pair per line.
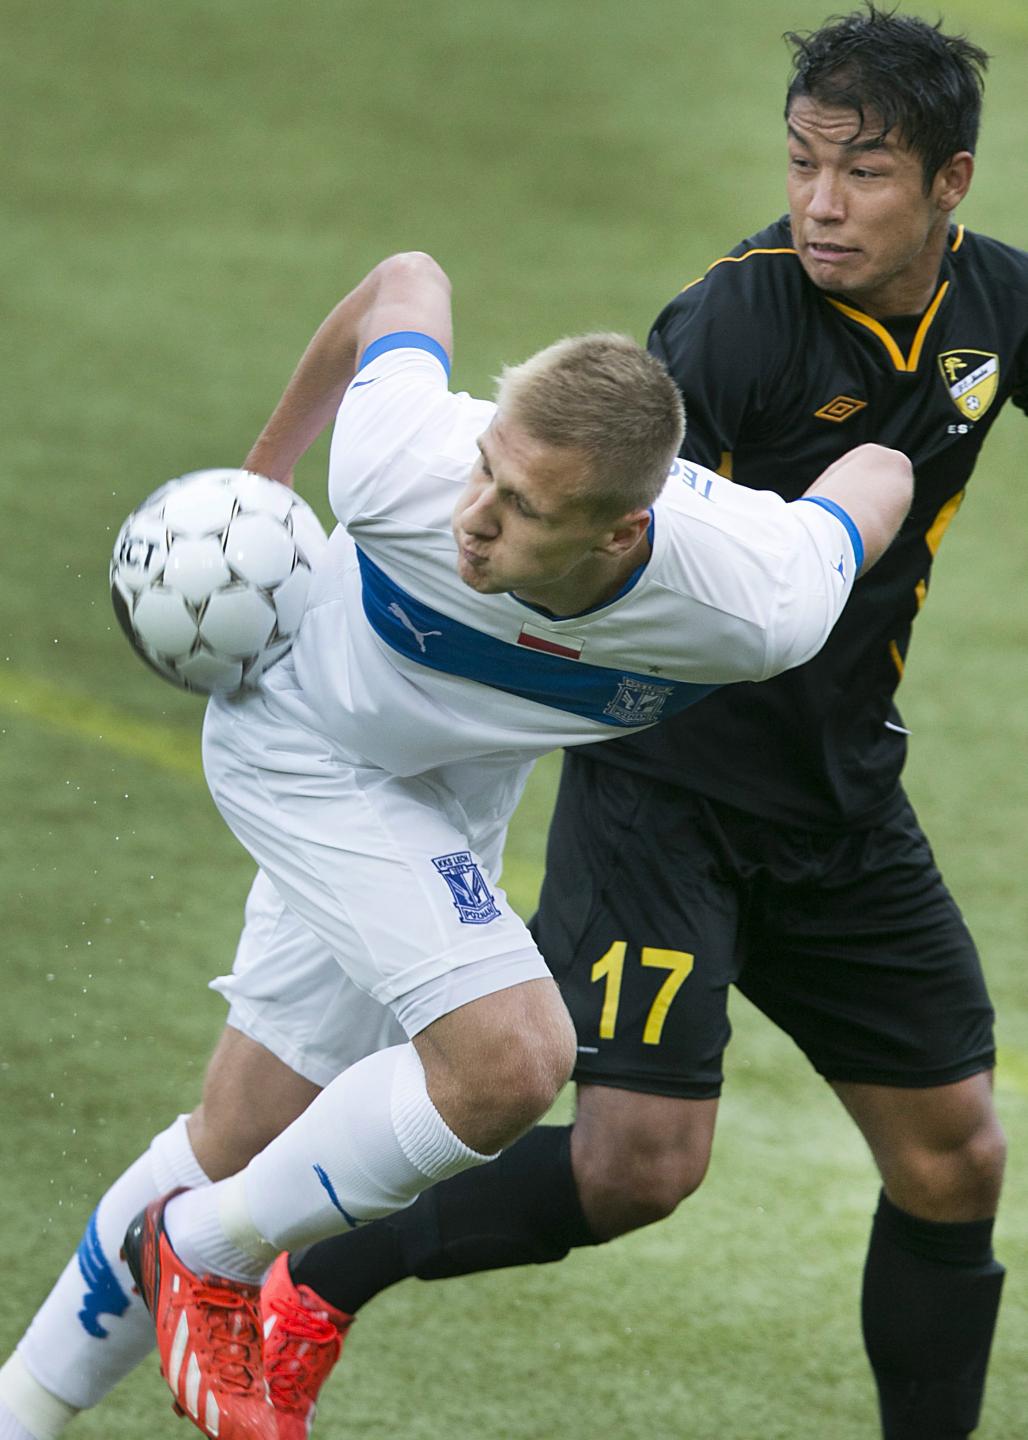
x,y
188,188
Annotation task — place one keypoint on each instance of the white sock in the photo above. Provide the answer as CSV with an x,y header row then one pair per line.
x,y
23,1401
91,1330
366,1147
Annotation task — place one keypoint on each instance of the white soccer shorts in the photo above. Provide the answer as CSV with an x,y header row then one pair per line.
x,y
288,992
394,876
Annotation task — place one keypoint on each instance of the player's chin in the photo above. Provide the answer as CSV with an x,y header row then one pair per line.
x,y
477,577
843,276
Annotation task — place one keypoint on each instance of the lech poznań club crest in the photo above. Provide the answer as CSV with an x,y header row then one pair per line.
x,y
971,377
637,703
471,896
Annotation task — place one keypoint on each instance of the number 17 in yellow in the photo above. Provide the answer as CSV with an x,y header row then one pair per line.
x,y
611,968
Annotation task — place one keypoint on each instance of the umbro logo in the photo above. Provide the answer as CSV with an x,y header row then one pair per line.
x,y
840,409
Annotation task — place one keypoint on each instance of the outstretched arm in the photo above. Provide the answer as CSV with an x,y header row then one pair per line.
x,y
874,486
406,292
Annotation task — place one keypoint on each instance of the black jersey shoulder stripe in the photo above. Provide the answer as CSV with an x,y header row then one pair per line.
x,y
737,259
907,363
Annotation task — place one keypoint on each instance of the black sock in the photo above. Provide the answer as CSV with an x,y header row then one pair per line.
x,y
522,1209
931,1295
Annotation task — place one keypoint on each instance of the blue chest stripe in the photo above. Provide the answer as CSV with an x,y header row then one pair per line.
x,y
596,692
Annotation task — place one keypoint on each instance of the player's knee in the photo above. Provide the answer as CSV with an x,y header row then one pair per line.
x,y
980,1166
528,1074
624,1189
954,1184
494,1066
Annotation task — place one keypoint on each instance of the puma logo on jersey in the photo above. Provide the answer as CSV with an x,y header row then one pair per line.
x,y
419,635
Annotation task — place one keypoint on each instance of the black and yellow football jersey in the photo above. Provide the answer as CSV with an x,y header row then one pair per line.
x,y
779,380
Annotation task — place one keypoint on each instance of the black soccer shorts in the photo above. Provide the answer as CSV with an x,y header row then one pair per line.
x,y
656,900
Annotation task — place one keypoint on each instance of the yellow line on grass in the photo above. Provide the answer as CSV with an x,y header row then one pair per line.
x,y
73,713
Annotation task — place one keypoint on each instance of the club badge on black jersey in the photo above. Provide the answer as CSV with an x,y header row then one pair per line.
x,y
972,379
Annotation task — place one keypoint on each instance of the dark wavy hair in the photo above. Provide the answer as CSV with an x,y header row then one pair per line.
x,y
925,86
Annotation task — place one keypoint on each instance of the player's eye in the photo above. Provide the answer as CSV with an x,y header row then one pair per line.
x,y
521,505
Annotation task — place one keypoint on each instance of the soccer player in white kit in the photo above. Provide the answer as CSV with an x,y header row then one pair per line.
x,y
506,579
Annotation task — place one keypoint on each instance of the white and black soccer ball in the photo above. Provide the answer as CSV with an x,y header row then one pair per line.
x,y
209,577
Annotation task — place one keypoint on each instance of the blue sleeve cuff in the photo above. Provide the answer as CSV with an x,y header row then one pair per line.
x,y
847,522
405,340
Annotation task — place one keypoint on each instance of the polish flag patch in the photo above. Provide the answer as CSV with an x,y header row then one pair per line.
x,y
570,647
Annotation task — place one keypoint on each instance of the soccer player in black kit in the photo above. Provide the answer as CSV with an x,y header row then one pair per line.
x,y
764,838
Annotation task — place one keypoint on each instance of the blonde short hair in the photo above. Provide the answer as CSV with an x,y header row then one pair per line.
x,y
606,398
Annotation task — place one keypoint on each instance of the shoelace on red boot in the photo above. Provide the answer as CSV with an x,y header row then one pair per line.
x,y
231,1336
302,1357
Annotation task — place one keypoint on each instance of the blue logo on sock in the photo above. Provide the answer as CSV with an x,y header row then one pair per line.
x,y
104,1294
323,1177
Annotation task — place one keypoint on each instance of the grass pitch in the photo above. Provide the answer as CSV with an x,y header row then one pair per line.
x,y
189,188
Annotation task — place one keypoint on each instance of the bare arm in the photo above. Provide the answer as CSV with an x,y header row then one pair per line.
x,y
406,292
875,487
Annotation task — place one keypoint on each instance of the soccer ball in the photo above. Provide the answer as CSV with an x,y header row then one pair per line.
x,y
209,577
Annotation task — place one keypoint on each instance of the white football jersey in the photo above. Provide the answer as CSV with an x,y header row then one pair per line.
x,y
403,664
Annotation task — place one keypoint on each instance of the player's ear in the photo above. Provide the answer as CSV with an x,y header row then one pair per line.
x,y
626,532
953,180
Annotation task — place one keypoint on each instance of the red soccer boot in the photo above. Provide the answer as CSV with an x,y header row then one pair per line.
x,y
303,1336
208,1335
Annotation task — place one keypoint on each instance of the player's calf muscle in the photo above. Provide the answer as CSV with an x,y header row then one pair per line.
x,y
228,1128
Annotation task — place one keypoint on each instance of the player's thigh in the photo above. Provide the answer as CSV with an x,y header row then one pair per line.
x,y
860,953
638,920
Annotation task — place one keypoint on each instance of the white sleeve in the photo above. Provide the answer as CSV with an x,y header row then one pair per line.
x,y
770,576
398,399
826,552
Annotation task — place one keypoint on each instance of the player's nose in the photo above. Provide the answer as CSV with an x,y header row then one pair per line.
x,y
482,515
826,200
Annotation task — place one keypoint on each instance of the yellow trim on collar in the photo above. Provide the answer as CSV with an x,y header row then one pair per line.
x,y
910,362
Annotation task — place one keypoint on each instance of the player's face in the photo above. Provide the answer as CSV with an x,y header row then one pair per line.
x,y
518,523
861,222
